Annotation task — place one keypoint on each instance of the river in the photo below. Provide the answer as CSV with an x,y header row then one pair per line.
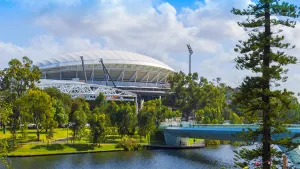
x,y
205,158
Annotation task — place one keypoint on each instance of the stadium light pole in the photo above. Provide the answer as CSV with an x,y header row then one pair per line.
x,y
82,61
190,59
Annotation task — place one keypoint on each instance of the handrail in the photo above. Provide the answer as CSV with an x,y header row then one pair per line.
x,y
193,125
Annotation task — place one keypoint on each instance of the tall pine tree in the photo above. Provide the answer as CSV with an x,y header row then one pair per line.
x,y
264,54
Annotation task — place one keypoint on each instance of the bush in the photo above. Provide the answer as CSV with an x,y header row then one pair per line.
x,y
212,142
129,144
225,142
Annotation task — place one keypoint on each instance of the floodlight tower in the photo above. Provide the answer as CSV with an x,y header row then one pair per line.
x,y
191,52
82,61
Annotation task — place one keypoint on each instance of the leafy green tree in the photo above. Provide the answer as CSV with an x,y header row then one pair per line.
x,y
112,111
124,118
146,120
5,113
209,115
184,93
60,116
37,105
98,126
264,54
14,82
189,94
235,119
4,161
79,117
63,98
101,101
172,114
78,122
19,76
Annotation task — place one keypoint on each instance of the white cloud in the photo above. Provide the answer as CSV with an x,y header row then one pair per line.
x,y
149,27
44,46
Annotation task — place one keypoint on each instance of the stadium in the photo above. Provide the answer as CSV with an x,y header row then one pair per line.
x,y
124,76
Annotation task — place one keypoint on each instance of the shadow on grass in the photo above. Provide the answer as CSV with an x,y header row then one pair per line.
x,y
50,147
33,132
81,147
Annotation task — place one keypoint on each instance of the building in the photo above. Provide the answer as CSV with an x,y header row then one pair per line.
x,y
133,74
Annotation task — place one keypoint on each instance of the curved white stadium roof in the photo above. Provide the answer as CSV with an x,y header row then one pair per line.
x,y
108,56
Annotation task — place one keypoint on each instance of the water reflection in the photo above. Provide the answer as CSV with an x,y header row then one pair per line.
x,y
207,158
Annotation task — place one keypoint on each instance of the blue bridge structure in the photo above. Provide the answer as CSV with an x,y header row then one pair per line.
x,y
179,133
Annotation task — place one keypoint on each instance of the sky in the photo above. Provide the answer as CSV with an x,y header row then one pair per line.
x,y
41,29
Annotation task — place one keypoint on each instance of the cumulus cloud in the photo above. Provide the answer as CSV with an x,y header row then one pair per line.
x,y
150,27
157,31
43,47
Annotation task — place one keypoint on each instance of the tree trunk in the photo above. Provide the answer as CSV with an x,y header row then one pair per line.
x,y
4,128
266,87
37,132
74,134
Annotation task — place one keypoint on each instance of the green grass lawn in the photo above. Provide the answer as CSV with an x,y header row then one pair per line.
x,y
43,149
191,141
27,147
58,134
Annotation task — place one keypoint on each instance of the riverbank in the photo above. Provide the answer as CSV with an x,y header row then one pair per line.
x,y
206,158
30,150
153,147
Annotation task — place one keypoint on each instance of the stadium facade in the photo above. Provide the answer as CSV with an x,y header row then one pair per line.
x,y
134,75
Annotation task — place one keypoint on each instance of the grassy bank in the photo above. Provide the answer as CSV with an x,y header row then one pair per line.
x,y
59,144
51,149
31,135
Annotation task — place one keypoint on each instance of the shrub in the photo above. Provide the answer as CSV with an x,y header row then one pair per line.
x,y
212,142
129,144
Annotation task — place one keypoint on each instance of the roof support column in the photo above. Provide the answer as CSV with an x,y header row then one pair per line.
x,y
137,73
157,78
123,76
60,74
76,71
147,80
92,75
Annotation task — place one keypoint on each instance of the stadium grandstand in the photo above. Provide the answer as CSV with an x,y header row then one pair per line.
x,y
121,76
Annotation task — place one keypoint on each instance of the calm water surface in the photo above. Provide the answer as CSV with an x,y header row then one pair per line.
x,y
207,158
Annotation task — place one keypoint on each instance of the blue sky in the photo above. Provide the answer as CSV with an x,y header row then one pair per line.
x,y
17,20
158,28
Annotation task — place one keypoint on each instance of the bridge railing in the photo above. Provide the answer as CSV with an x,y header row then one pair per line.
x,y
195,125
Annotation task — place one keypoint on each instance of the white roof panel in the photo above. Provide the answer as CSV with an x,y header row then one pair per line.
x,y
108,56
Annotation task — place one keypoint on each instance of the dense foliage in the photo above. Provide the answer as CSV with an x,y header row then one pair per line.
x,y
197,98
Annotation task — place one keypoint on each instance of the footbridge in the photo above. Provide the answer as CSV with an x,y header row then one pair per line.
x,y
178,133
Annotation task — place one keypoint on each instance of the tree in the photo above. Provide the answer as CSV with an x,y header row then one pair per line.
x,y
123,116
146,120
3,154
98,126
79,117
112,111
19,76
37,105
79,120
63,98
264,54
14,82
184,93
60,116
189,93
5,113
101,101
